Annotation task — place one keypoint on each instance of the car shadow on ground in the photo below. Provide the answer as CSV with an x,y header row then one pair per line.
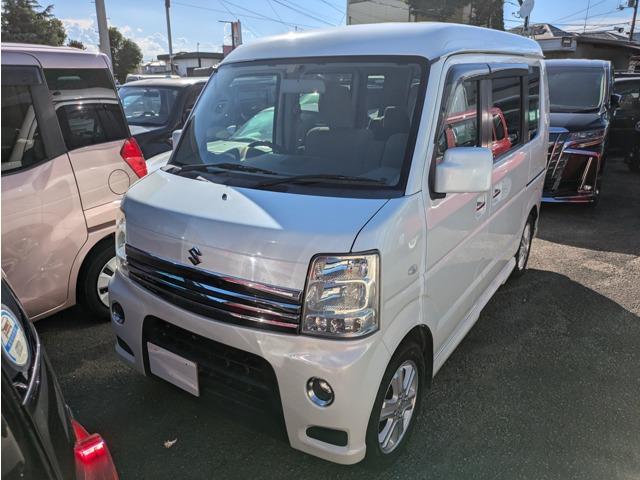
x,y
545,385
612,226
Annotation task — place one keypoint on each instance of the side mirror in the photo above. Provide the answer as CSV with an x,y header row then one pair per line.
x,y
185,115
616,99
175,138
464,170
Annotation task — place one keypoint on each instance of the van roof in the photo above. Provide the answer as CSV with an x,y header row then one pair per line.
x,y
425,39
166,82
55,57
578,63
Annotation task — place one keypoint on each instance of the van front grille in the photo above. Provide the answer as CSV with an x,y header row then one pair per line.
x,y
219,297
556,160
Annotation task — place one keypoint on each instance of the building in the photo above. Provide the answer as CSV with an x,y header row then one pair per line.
x,y
155,67
185,62
604,45
485,13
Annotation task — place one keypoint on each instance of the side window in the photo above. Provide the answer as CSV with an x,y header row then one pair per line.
x,y
22,145
375,96
507,102
630,93
460,121
533,111
88,124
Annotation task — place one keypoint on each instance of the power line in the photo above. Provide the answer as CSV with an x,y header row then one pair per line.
x,y
326,2
256,15
302,12
274,9
578,12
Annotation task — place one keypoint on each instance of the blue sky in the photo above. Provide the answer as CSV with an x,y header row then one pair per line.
x,y
198,21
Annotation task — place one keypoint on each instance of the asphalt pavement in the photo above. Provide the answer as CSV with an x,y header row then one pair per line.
x,y
545,386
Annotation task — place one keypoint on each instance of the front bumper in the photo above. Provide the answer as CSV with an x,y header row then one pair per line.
x,y
354,368
573,170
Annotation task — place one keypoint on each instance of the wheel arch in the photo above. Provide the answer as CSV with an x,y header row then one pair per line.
x,y
110,238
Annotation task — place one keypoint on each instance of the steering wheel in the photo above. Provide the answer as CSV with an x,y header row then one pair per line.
x,y
275,148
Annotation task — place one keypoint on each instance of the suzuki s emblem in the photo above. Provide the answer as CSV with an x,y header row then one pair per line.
x,y
194,255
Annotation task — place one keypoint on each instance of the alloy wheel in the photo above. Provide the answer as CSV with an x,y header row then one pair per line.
x,y
525,247
398,406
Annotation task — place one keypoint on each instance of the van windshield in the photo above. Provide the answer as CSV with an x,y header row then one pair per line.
x,y
575,90
308,124
148,106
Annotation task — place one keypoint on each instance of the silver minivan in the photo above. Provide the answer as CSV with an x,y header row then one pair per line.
x,y
340,207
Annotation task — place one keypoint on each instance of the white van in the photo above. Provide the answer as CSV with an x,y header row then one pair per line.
x,y
340,207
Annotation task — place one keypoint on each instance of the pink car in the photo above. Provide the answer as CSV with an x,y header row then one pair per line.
x,y
67,159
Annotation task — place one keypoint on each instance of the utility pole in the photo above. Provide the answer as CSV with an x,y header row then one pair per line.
x,y
103,30
633,22
584,30
167,5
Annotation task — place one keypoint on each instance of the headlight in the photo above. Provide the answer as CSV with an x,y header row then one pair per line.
x,y
121,242
342,296
587,136
638,127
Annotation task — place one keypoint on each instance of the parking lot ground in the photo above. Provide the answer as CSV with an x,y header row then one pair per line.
x,y
545,386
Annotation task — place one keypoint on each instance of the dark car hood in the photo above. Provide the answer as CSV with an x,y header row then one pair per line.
x,y
140,129
575,122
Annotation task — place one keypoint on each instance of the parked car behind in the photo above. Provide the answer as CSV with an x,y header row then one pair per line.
x,y
326,267
582,106
625,127
40,437
67,159
156,107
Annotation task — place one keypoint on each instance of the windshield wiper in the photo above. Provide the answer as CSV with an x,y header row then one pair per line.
x,y
223,166
321,178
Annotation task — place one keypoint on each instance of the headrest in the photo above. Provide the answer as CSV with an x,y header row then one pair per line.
x,y
335,106
395,120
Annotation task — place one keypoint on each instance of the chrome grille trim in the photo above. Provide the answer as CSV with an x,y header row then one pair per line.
x,y
220,297
556,159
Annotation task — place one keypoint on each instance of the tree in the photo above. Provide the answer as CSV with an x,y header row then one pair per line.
x,y
27,22
125,54
76,44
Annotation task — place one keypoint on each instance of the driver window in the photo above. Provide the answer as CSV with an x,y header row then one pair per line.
x,y
460,120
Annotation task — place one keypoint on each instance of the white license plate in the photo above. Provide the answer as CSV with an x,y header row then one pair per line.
x,y
173,368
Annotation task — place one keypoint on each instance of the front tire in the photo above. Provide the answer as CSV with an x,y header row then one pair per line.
x,y
93,288
397,406
524,248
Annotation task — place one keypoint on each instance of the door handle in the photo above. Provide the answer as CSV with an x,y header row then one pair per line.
x,y
481,205
496,192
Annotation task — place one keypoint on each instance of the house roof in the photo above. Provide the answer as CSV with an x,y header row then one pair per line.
x,y
191,55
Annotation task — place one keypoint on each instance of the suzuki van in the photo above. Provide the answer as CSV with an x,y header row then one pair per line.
x,y
326,262
67,159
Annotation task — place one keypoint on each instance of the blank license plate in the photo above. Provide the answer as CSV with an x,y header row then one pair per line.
x,y
173,368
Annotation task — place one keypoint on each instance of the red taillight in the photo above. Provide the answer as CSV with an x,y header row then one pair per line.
x,y
90,448
93,460
131,153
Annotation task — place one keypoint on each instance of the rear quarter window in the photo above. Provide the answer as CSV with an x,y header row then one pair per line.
x,y
85,124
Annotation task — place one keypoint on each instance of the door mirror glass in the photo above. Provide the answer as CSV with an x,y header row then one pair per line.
x,y
175,138
464,170
616,100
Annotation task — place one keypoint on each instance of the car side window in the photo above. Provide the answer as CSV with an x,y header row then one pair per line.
x,y
507,103
22,144
90,123
460,121
533,110
630,93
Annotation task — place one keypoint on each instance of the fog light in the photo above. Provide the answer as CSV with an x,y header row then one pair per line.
x,y
117,313
320,392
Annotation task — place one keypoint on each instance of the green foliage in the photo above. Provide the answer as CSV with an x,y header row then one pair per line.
x,y
125,54
26,21
76,44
